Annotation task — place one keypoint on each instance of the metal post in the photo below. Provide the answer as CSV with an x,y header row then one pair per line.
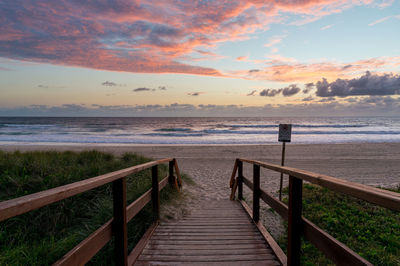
x,y
282,163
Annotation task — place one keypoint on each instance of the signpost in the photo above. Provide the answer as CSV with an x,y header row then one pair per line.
x,y
285,132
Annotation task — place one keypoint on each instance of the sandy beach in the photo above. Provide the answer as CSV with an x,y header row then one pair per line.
x,y
375,164
211,166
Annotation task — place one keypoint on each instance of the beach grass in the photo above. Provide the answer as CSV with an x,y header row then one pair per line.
x,y
42,236
371,231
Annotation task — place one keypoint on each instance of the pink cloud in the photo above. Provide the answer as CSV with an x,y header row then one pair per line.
x,y
284,71
139,36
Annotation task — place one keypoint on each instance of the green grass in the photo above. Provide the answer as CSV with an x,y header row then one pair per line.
x,y
42,236
371,231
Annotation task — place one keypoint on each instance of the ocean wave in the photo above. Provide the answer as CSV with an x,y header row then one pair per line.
x,y
294,126
174,129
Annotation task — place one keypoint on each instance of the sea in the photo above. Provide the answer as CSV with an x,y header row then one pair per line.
x,y
195,130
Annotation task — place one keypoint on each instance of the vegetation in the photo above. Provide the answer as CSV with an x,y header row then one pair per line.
x,y
42,236
371,231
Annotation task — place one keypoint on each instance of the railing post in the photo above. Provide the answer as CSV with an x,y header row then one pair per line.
x,y
294,220
119,224
240,180
155,194
256,193
171,177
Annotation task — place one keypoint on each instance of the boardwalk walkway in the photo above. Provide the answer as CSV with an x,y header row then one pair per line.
x,y
217,233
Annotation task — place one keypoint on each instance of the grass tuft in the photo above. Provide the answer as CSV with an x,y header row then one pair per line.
x,y
371,231
42,236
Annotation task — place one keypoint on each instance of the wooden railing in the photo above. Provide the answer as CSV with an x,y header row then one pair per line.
x,y
116,226
299,226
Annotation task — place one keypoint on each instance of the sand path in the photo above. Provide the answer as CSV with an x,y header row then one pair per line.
x,y
211,166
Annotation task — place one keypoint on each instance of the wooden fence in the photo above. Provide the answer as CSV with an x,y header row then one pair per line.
x,y
116,226
299,226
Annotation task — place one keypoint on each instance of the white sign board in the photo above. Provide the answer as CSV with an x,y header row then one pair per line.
x,y
285,132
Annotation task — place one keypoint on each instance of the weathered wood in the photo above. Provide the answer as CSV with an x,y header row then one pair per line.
x,y
210,263
14,207
120,230
240,180
207,237
232,180
208,241
155,193
191,252
86,249
178,173
281,256
275,204
331,247
141,244
136,206
271,242
252,233
207,258
381,197
233,191
256,193
171,177
205,246
295,227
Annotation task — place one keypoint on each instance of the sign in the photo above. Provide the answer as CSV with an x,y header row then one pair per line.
x,y
285,132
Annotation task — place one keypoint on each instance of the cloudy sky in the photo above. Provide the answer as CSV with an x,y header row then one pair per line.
x,y
218,58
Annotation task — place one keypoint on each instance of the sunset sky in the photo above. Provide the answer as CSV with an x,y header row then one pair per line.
x,y
199,58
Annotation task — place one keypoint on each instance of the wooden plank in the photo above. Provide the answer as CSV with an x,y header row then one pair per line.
x,y
275,204
86,249
219,263
207,242
206,246
120,230
210,223
14,207
295,228
141,244
281,256
178,173
272,243
233,191
248,183
240,180
206,230
207,258
381,197
136,206
232,180
198,252
207,237
216,234
331,247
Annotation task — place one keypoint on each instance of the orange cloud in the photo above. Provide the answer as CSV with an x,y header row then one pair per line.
x,y
139,36
284,71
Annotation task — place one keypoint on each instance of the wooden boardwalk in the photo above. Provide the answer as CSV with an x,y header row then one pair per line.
x,y
218,233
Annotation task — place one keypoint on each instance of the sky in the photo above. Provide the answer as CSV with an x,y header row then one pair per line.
x,y
199,58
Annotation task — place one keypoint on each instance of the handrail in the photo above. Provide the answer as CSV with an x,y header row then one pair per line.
x,y
116,226
297,224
